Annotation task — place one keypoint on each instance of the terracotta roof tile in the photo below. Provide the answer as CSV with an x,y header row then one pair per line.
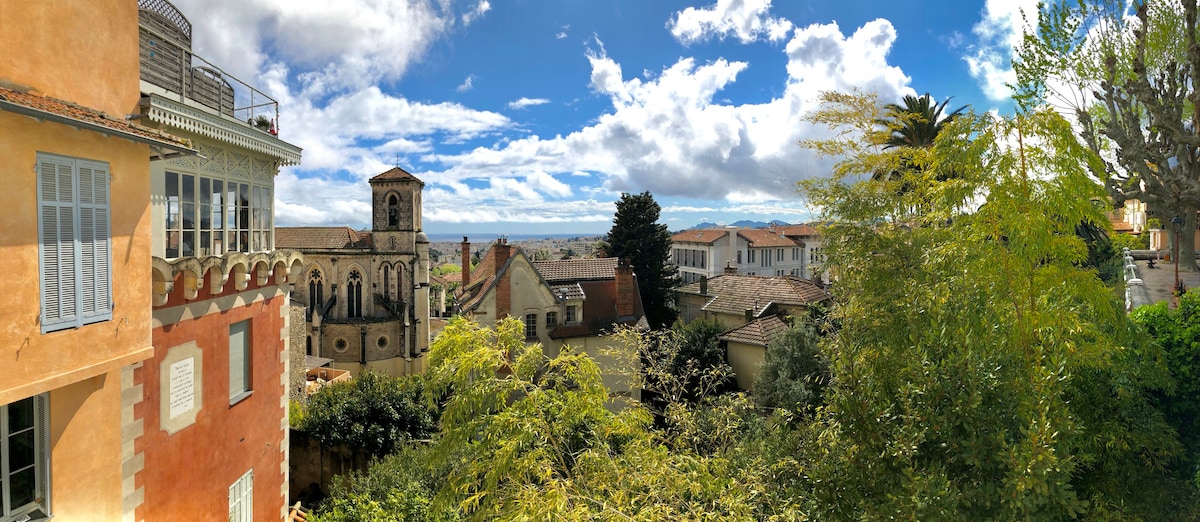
x,y
580,269
704,235
569,291
759,332
797,230
599,312
761,237
73,111
396,174
321,238
734,293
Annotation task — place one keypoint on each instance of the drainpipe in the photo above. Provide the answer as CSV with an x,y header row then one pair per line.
x,y
362,344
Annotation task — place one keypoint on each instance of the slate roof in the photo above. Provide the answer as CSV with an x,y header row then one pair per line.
x,y
759,332
761,237
580,269
734,293
396,174
321,238
704,235
85,117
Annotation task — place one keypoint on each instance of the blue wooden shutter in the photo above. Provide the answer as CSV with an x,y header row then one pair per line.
x,y
95,257
56,235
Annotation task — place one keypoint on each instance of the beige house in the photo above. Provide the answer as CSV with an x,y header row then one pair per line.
x,y
753,309
573,302
777,250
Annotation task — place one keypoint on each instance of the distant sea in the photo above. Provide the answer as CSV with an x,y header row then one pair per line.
x,y
477,238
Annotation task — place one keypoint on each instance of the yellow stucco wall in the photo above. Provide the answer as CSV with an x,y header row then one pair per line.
x,y
84,51
618,363
30,361
745,360
85,463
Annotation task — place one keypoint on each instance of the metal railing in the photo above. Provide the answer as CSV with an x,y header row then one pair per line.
x,y
166,60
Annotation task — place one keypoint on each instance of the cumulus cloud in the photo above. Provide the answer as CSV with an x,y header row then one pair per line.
x,y
747,20
669,136
526,102
998,32
467,84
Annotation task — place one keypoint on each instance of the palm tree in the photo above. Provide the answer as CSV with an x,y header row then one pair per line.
x,y
915,124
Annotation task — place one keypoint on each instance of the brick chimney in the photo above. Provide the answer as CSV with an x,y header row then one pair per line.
x,y
625,289
500,254
466,262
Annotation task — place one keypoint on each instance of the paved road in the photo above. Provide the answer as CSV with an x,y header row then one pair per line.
x,y
1160,279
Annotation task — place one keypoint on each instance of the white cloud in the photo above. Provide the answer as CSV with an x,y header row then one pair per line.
x,y
669,136
467,84
562,34
480,9
526,102
999,31
745,19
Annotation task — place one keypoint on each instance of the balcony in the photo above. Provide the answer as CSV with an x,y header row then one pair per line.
x,y
188,92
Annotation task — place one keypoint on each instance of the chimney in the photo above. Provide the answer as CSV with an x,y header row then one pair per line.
x,y
749,314
466,262
733,232
502,252
703,285
623,279
730,269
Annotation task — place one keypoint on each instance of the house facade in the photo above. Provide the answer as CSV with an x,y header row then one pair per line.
x,y
366,293
211,424
773,251
753,309
569,302
76,236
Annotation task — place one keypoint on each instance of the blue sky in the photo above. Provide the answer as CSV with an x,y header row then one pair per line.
x,y
530,116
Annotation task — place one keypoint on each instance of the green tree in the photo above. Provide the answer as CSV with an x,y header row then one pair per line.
x,y
1131,86
636,235
979,372
372,411
1178,332
795,372
396,488
528,437
918,122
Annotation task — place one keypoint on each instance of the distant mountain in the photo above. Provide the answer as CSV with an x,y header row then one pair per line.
x,y
745,223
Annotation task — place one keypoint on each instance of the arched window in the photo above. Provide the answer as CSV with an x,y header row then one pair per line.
x,y
308,345
316,291
393,211
387,289
354,294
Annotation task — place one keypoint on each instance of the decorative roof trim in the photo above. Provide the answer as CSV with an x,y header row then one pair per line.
x,y
180,116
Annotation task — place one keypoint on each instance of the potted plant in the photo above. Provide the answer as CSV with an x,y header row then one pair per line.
x,y
261,123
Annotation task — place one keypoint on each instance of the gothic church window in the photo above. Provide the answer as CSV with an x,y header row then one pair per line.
x,y
316,292
354,294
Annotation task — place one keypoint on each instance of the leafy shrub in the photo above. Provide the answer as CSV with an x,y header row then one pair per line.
x,y
373,412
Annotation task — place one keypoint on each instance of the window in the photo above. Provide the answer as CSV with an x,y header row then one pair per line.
x,y
750,255
739,257
316,292
530,326
241,499
779,254
354,294
551,319
24,459
74,239
572,316
387,287
210,216
239,361
393,211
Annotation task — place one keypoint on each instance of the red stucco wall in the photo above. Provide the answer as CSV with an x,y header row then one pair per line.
x,y
187,474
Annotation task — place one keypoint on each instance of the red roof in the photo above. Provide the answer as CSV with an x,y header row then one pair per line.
x,y
89,117
704,235
761,237
321,238
759,332
578,269
734,293
796,230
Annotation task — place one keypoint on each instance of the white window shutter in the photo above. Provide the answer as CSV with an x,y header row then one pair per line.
x,y
56,234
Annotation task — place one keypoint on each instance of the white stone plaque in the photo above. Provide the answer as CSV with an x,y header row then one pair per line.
x,y
183,386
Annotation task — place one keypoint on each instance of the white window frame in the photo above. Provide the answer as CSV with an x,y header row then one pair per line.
x,y
244,210
40,465
74,241
240,371
241,498
551,319
572,314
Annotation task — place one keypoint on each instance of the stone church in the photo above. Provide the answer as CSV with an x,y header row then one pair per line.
x,y
366,293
